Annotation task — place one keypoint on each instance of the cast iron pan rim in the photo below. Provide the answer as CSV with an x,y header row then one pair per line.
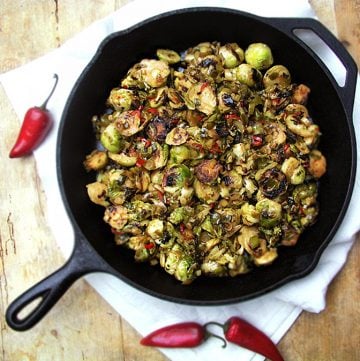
x,y
316,257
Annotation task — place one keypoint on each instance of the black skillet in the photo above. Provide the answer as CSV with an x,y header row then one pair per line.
x,y
94,249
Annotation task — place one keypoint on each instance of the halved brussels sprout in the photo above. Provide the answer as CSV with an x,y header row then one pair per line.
x,y
123,99
128,122
317,164
248,75
123,159
154,73
97,192
294,171
177,176
96,160
273,183
231,55
111,139
176,136
203,98
270,212
259,55
206,193
159,157
155,228
208,171
167,55
277,75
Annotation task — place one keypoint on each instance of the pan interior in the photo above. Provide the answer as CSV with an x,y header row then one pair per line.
x,y
179,31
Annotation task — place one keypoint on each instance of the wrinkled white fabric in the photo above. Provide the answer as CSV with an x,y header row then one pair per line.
x,y
275,312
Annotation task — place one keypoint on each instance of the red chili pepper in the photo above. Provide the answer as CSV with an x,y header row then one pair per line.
x,y
147,142
37,122
140,162
185,334
149,245
203,86
244,334
153,110
256,141
232,116
182,228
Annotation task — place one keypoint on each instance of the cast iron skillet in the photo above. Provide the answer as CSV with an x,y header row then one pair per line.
x,y
94,249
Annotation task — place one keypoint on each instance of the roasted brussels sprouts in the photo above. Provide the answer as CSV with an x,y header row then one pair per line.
x,y
96,160
209,160
111,139
277,75
231,55
259,56
270,212
168,55
249,75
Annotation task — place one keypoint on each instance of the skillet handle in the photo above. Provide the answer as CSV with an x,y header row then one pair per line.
x,y
48,291
346,92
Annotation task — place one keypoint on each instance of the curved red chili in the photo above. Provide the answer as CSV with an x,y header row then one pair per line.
x,y
244,334
185,334
37,122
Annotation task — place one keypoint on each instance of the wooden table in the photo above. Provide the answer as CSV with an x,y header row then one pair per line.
x,y
82,326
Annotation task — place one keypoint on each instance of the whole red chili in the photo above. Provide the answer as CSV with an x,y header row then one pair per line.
x,y
37,122
185,334
244,334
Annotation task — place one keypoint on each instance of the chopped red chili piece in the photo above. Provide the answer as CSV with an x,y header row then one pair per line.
x,y
203,86
232,116
182,228
115,231
256,141
140,162
149,245
153,110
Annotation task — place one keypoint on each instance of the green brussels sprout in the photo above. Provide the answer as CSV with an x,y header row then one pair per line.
x,y
179,153
181,215
249,75
178,175
270,212
121,99
208,171
157,97
96,160
249,214
277,75
154,73
293,170
206,193
201,96
177,136
231,55
123,159
97,193
259,55
159,157
155,228
177,262
305,194
273,183
111,139
169,56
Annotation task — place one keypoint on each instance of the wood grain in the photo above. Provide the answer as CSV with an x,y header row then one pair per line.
x,y
82,326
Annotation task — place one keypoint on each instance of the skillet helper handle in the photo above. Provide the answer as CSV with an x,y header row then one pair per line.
x,y
48,291
346,92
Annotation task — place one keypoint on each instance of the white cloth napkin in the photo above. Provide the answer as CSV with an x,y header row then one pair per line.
x,y
274,313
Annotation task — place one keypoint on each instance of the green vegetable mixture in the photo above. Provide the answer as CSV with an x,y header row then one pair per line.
x,y
208,160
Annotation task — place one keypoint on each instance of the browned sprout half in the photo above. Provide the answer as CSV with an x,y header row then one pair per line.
x,y
207,160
